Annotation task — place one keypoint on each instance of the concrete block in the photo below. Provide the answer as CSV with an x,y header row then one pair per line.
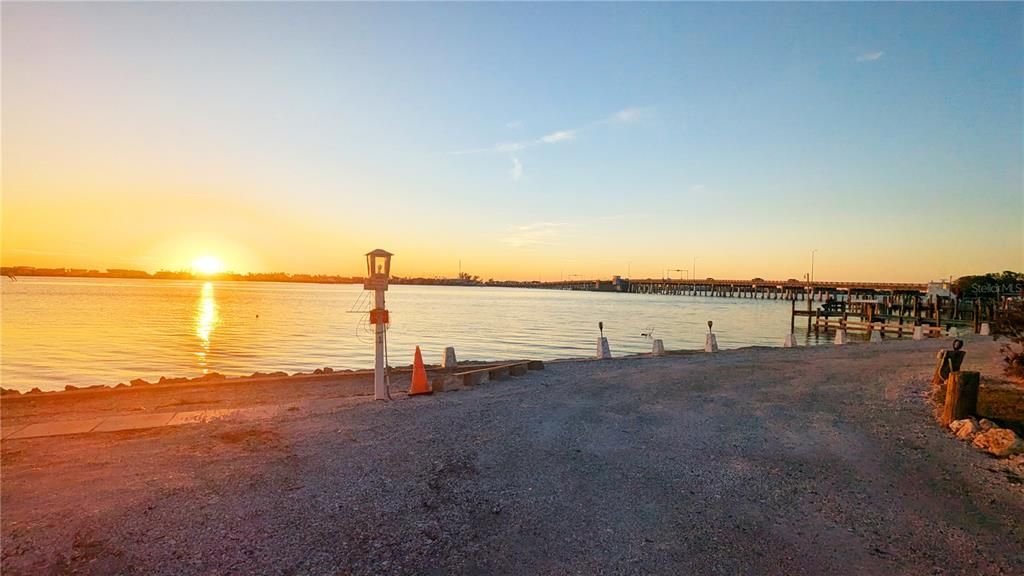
x,y
56,428
918,332
518,369
841,337
448,361
658,349
201,416
134,422
876,333
440,382
711,343
790,341
985,329
603,351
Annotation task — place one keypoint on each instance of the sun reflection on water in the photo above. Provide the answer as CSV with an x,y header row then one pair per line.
x,y
206,320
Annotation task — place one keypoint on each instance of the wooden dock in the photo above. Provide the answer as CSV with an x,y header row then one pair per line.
x,y
854,305
755,288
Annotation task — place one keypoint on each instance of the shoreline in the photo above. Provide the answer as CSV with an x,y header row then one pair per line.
x,y
806,460
36,407
329,373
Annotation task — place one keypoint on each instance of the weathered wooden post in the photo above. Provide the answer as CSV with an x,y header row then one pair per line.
x,y
961,396
810,300
947,362
792,316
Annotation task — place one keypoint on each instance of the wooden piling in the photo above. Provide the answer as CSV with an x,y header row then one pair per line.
x,y
792,316
961,396
809,302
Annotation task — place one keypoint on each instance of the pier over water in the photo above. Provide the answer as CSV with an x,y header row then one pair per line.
x,y
755,288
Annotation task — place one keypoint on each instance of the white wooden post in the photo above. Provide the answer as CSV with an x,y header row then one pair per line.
x,y
380,391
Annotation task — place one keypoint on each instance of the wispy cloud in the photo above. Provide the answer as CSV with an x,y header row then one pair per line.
x,y
548,233
623,116
535,234
870,56
627,115
514,125
517,169
560,136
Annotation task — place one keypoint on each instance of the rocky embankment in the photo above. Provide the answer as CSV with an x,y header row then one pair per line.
x,y
211,378
986,435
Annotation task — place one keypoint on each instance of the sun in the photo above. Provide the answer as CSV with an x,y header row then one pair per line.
x,y
207,265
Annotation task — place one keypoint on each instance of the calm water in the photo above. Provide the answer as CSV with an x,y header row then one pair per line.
x,y
58,331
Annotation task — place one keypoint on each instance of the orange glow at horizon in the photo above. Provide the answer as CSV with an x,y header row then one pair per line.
x,y
207,265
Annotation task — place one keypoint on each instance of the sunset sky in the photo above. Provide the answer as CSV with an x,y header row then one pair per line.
x,y
528,141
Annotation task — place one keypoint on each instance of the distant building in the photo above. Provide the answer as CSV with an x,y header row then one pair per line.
x,y
942,289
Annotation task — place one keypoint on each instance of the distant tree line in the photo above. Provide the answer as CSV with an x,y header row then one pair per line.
x,y
992,285
463,280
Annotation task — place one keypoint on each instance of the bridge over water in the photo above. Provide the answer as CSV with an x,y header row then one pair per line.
x,y
755,288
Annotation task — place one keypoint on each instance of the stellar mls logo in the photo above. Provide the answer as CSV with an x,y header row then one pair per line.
x,y
997,288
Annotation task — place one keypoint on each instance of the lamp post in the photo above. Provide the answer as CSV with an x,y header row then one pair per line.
x,y
812,264
378,270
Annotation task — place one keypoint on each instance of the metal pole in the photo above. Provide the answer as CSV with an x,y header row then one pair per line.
x,y
379,388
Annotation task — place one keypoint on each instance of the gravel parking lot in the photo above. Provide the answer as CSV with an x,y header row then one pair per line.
x,y
756,461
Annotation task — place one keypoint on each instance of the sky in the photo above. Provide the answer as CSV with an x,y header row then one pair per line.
x,y
524,141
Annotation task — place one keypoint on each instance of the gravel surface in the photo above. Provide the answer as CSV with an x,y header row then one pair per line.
x,y
756,461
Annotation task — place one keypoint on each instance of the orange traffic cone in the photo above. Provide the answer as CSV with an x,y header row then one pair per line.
x,y
419,376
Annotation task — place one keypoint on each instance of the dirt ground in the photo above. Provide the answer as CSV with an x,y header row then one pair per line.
x,y
756,461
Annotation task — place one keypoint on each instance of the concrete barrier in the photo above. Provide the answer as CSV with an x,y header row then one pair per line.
x,y
498,373
790,341
876,333
658,349
449,362
841,337
918,332
711,343
603,351
985,329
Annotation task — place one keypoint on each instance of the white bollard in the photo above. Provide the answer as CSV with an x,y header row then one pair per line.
x,y
790,341
603,351
985,329
711,343
953,332
448,361
918,332
876,333
841,336
658,349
